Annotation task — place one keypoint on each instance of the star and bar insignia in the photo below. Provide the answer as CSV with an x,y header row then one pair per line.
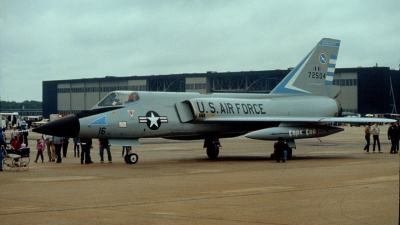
x,y
153,120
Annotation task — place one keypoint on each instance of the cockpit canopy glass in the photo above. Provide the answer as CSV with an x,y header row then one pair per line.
x,y
118,98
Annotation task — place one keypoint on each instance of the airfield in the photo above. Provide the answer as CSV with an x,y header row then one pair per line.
x,y
328,182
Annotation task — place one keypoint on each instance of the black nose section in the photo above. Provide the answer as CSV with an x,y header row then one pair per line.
x,y
64,127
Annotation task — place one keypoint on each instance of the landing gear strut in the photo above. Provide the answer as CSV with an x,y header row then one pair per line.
x,y
131,158
212,144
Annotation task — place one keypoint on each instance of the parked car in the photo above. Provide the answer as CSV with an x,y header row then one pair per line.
x,y
39,123
31,119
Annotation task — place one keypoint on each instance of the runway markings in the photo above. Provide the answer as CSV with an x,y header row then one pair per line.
x,y
65,178
169,149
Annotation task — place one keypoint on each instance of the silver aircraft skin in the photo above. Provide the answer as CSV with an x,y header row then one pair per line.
x,y
302,105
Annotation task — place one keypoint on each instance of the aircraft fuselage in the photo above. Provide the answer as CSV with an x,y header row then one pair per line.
x,y
155,115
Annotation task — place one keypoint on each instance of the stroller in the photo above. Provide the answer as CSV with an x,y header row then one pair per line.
x,y
15,159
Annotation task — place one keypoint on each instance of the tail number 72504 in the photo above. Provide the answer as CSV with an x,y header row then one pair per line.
x,y
316,75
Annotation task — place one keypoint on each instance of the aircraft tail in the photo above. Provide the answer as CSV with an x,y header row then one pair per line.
x,y
314,74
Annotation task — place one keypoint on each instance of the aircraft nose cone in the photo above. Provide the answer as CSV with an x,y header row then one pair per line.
x,y
65,127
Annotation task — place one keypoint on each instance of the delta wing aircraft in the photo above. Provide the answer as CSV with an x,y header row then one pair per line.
x,y
302,105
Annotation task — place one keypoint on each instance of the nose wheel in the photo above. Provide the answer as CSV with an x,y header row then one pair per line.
x,y
131,158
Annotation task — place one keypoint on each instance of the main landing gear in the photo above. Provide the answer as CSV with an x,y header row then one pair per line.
x,y
212,144
131,158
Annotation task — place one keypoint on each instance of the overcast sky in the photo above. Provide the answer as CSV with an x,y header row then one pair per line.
x,y
58,40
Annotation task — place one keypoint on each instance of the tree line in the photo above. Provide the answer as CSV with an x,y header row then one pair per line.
x,y
19,105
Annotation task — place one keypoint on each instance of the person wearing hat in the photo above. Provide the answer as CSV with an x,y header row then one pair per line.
x,y
281,149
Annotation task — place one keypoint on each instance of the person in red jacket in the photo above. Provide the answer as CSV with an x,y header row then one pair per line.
x,y
15,144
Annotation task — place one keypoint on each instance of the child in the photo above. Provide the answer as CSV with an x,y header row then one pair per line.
x,y
39,148
23,145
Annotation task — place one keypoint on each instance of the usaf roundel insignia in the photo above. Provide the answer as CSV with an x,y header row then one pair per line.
x,y
322,58
153,120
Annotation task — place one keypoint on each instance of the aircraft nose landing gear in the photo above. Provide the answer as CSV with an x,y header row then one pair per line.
x,y
131,158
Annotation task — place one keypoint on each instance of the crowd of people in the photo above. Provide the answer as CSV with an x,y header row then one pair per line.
x,y
57,147
18,139
393,134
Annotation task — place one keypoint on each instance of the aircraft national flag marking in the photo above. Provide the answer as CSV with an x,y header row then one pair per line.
x,y
153,120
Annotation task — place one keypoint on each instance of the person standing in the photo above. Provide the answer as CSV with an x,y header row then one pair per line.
x,y
2,133
76,147
50,147
104,144
43,142
23,124
375,135
86,144
21,137
25,133
13,132
58,145
367,132
393,136
65,146
281,150
2,144
39,148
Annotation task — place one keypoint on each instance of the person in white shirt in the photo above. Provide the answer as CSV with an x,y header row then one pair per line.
x,y
51,152
375,134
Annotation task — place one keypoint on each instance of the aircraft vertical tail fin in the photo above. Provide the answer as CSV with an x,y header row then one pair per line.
x,y
314,74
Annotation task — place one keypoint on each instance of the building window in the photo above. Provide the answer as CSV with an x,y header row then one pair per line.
x,y
345,82
63,90
196,86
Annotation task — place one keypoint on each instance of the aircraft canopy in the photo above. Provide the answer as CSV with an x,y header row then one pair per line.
x,y
118,98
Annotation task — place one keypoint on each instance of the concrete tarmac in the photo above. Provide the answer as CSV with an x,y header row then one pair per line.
x,y
328,182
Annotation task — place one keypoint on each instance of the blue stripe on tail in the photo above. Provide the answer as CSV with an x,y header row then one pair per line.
x,y
331,70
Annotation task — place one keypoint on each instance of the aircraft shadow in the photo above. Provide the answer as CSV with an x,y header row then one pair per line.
x,y
246,158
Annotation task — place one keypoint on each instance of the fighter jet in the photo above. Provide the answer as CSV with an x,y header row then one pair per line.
x,y
302,105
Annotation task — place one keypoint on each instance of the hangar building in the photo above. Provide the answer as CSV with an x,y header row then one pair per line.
x,y
364,90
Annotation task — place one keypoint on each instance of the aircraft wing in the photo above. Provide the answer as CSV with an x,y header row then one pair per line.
x,y
124,142
298,119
